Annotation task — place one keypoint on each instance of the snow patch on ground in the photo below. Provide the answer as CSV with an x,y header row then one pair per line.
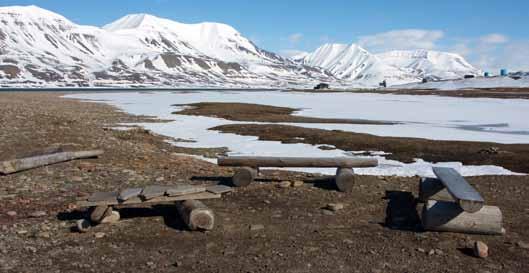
x,y
493,82
434,113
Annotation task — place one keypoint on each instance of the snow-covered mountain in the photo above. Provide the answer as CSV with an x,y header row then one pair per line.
x,y
40,47
430,64
353,63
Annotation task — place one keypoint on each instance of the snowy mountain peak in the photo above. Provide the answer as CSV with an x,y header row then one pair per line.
x,y
32,11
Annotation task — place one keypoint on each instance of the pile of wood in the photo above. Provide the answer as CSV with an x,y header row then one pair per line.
x,y
249,170
194,213
452,204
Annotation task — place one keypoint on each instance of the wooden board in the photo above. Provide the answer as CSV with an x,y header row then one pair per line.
x,y
184,189
219,189
161,199
103,197
307,162
467,197
126,194
154,191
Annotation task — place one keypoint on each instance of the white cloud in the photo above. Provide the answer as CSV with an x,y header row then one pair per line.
x,y
401,40
494,38
295,38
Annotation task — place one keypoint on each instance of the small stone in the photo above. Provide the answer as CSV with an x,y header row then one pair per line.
x,y
83,225
38,214
481,250
328,212
284,184
256,227
439,252
87,167
43,234
177,264
22,232
31,249
99,235
267,202
11,213
112,218
297,183
334,207
76,179
421,250
150,264
431,252
160,179
523,245
348,241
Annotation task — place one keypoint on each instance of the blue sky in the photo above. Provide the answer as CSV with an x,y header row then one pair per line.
x,y
491,34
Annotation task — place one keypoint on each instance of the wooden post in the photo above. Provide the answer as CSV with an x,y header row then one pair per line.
x,y
433,189
293,162
196,215
244,176
450,217
17,165
345,179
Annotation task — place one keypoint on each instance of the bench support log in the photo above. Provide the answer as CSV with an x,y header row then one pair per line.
x,y
450,217
244,176
345,179
97,214
433,189
196,215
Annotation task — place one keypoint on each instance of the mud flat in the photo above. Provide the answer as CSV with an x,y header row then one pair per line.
x,y
262,228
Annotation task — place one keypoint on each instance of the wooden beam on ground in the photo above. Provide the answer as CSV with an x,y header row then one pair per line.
x,y
433,189
17,165
465,195
450,217
138,200
196,215
306,162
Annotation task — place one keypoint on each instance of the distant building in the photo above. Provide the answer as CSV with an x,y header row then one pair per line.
x,y
486,74
503,72
383,84
322,86
469,76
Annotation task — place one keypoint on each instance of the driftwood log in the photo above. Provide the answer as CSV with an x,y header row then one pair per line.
x,y
196,215
17,165
450,217
244,176
345,179
294,162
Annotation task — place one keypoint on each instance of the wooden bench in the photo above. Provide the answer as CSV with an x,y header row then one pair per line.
x,y
250,167
452,204
195,214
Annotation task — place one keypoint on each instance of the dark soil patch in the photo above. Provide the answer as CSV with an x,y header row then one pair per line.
x,y
261,113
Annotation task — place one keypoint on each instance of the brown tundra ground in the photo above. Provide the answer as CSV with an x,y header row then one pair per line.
x,y
37,207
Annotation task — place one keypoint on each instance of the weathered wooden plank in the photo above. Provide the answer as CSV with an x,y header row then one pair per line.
x,y
433,189
196,215
17,165
219,189
161,199
465,195
184,189
307,162
126,194
450,217
154,191
103,197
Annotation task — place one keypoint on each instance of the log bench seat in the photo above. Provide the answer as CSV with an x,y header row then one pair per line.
x,y
249,167
453,205
186,197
